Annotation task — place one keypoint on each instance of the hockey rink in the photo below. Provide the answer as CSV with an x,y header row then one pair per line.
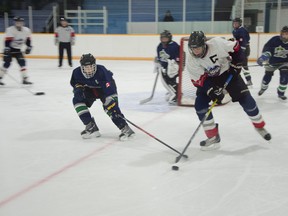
x,y
47,169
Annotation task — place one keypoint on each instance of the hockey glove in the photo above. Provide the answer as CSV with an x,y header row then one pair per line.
x,y
235,69
157,65
216,94
173,68
7,51
263,59
79,92
111,106
28,50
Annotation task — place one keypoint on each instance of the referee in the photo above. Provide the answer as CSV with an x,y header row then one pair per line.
x,y
64,38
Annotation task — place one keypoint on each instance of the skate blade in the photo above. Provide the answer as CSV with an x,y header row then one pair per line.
x,y
93,135
125,138
211,147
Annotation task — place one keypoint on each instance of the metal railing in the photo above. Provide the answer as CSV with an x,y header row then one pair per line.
x,y
85,18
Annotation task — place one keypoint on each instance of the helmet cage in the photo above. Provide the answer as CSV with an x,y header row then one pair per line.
x,y
166,34
88,65
88,70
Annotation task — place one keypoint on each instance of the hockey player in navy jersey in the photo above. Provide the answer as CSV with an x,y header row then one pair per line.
x,y
275,57
90,82
209,64
243,37
15,37
167,63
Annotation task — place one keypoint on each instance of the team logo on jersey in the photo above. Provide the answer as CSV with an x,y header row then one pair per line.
x,y
107,84
280,52
163,56
96,81
213,71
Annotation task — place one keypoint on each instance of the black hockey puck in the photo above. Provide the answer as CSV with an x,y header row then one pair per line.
x,y
175,168
39,93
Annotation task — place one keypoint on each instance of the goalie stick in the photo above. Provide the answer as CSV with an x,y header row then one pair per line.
x,y
31,92
200,124
153,90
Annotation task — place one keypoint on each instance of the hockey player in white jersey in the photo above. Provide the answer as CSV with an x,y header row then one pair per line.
x,y
210,63
15,37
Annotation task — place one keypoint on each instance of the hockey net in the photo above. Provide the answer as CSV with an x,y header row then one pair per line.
x,y
186,90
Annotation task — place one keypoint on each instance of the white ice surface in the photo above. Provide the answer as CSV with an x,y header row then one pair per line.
x,y
47,169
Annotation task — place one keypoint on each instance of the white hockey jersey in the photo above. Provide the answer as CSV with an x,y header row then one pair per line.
x,y
17,38
214,63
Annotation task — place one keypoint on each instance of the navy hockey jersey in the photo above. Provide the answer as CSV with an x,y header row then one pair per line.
x,y
242,35
170,51
277,50
102,79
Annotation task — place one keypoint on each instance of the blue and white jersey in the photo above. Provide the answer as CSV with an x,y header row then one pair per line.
x,y
169,51
277,50
102,79
241,35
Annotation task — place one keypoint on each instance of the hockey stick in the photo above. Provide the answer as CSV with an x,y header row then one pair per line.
x,y
272,65
200,124
31,92
153,90
170,147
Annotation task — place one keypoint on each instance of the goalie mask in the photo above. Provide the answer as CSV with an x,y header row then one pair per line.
x,y
88,65
196,44
165,37
284,34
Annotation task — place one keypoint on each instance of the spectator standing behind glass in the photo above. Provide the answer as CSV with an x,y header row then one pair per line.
x,y
168,17
64,38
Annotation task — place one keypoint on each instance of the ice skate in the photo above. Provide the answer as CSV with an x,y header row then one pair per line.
x,y
249,83
1,83
264,133
282,97
173,101
91,130
26,81
261,91
210,144
126,133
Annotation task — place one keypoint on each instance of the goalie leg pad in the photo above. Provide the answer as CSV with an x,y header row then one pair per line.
x,y
172,68
171,86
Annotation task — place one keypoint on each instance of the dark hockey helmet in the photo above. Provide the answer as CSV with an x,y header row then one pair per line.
x,y
238,20
18,19
165,34
284,30
88,65
197,39
19,22
63,19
